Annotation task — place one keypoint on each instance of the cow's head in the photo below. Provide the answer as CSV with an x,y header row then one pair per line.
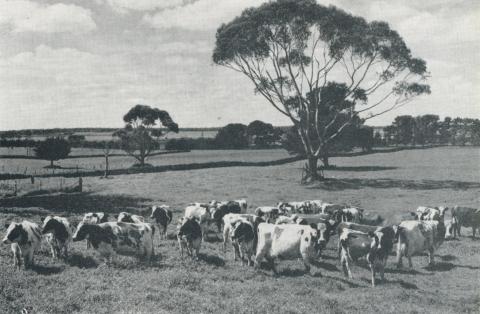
x,y
15,233
242,231
50,224
81,233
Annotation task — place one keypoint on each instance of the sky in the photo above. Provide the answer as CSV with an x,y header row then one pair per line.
x,y
85,63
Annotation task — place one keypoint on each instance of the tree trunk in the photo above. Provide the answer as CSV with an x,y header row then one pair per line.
x,y
106,165
325,161
51,163
312,170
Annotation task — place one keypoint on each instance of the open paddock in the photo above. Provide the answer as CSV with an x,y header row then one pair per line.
x,y
389,184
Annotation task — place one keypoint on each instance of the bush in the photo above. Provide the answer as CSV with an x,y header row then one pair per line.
x,y
179,144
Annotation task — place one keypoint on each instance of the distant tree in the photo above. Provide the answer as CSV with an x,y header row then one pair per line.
x,y
444,131
136,137
378,140
298,54
404,126
261,134
475,132
364,138
426,128
232,136
52,148
390,137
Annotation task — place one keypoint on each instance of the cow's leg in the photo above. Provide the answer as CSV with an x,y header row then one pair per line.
x,y
410,265
473,232
431,256
271,264
459,229
372,271
225,240
399,254
236,250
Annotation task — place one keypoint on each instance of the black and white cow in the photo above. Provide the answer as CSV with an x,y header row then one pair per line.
x,y
268,213
382,244
25,239
244,235
162,215
466,217
189,237
94,219
129,218
430,213
229,221
303,207
201,214
112,238
219,212
59,235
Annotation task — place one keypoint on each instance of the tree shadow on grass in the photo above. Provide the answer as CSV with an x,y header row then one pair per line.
x,y
358,168
75,202
345,281
333,184
46,270
446,258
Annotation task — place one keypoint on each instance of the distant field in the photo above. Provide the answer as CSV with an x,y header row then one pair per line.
x,y
34,166
389,184
107,136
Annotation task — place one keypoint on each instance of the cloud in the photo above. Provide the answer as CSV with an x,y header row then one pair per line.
x,y
124,6
199,15
27,16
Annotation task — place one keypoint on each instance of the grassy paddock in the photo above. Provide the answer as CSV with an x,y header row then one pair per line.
x,y
389,184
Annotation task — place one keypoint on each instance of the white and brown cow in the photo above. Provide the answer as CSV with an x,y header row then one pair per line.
x,y
288,241
430,213
189,237
466,217
416,237
129,218
59,235
162,215
25,239
112,238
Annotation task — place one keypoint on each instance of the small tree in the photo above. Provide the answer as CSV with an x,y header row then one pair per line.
x,y
232,136
107,151
136,137
53,148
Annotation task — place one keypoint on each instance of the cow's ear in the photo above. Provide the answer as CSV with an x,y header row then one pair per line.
x,y
371,234
314,226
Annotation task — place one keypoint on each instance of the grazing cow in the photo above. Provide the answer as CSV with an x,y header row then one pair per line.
x,y
244,236
129,218
466,217
352,214
163,217
303,207
268,213
61,235
229,221
189,237
287,242
218,213
319,206
112,238
94,219
213,205
354,226
202,214
25,239
415,237
451,226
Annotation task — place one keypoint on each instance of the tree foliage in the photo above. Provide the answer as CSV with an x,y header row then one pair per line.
x,y
261,134
52,149
232,136
136,138
320,66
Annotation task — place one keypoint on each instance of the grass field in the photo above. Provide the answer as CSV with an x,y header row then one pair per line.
x,y
390,184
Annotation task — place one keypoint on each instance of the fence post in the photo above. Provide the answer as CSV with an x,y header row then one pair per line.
x,y
32,179
80,184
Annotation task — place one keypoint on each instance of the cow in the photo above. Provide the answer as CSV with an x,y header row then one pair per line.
x,y
202,214
189,237
213,205
229,221
162,215
417,236
244,236
381,246
288,242
354,226
268,213
94,218
303,207
112,238
129,218
352,214
219,212
451,226
466,217
60,235
25,239
430,213
319,206
371,219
